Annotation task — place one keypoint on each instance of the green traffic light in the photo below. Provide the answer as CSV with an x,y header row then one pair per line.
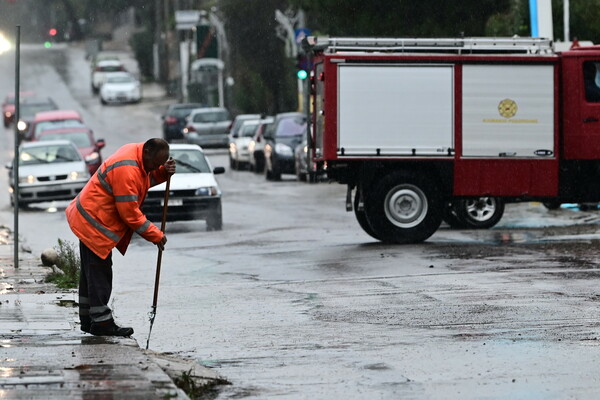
x,y
302,74
47,45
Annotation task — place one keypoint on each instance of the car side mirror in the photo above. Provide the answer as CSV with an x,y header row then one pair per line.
x,y
219,170
8,166
100,143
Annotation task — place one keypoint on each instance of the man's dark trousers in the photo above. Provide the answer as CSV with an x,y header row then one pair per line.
x,y
95,287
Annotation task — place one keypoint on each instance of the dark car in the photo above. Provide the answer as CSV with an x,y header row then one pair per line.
x,y
29,108
306,169
281,139
8,107
174,120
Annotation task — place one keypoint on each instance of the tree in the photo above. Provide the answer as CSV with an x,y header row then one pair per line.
x,y
396,18
264,77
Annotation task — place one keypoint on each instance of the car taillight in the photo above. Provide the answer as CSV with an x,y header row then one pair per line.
x,y
98,69
190,128
171,120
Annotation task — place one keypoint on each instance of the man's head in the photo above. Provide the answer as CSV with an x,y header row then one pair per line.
x,y
155,153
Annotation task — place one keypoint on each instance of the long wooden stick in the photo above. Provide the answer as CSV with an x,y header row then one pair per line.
x,y
163,226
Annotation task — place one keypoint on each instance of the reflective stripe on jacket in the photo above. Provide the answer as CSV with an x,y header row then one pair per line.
x,y
107,211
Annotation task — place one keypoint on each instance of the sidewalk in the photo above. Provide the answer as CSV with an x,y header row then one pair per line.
x,y
44,355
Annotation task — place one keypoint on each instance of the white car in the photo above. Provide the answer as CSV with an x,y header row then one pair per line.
x,y
239,156
120,87
102,68
51,170
193,192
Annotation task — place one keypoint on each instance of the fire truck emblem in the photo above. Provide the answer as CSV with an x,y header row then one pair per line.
x,y
507,108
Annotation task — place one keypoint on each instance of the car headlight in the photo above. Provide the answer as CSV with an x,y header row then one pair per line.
x,y
74,175
91,158
21,125
27,179
208,191
283,149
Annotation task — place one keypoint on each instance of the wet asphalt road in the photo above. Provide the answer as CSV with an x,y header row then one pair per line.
x,y
293,300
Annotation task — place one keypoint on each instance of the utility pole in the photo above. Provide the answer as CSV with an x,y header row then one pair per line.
x,y
566,22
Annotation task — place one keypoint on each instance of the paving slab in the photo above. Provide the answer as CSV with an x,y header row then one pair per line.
x,y
44,355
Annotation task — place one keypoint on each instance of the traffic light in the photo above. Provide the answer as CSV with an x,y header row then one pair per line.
x,y
302,66
52,32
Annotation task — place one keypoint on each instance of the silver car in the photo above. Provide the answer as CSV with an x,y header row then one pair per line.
x,y
49,170
208,127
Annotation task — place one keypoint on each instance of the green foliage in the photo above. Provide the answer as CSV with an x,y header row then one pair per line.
x,y
142,45
186,383
393,18
265,80
69,263
515,21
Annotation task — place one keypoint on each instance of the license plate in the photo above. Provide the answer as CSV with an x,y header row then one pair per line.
x,y
172,202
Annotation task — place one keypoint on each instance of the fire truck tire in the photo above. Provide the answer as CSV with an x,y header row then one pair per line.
x,y
404,208
361,217
479,213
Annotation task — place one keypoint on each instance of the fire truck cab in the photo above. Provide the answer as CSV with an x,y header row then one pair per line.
x,y
423,130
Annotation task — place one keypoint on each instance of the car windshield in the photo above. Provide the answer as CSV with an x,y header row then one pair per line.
x,y
248,130
190,161
291,126
79,139
48,154
119,79
212,116
63,123
29,110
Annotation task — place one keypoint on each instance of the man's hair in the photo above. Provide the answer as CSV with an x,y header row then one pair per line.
x,y
156,145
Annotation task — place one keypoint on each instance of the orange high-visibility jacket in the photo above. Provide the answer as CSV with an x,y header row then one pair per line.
x,y
107,211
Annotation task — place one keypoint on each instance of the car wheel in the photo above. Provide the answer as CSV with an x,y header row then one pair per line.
x,y
102,101
479,213
403,207
231,162
6,124
95,90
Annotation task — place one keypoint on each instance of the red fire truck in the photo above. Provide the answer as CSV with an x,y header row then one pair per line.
x,y
425,130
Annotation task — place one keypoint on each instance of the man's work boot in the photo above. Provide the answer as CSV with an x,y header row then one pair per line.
x,y
86,322
109,328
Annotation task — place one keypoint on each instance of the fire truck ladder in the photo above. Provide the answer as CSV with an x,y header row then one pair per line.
x,y
453,45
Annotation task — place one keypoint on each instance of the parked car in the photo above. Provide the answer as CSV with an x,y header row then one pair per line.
x,y
194,191
83,139
120,87
174,120
29,108
237,122
208,127
8,106
239,156
102,68
281,138
256,146
52,170
52,119
306,170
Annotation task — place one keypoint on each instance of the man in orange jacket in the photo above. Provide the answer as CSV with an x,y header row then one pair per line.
x,y
105,214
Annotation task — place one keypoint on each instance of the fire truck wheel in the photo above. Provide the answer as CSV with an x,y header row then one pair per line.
x,y
552,205
479,213
361,217
404,208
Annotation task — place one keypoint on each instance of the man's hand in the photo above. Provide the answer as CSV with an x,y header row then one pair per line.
x,y
161,244
170,166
